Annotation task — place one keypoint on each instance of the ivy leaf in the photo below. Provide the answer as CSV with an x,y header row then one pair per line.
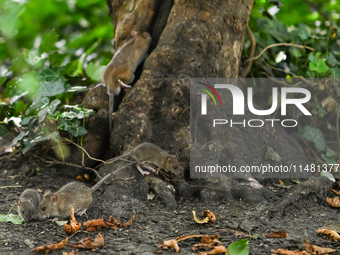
x,y
332,59
13,218
335,72
18,138
52,82
48,41
72,127
239,248
318,64
314,135
329,157
304,31
95,72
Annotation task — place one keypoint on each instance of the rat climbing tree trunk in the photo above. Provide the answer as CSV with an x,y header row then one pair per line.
x,y
189,39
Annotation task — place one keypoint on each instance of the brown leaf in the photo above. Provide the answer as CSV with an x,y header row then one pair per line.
x,y
206,239
216,250
170,243
313,249
52,247
336,192
124,225
210,215
198,220
335,202
331,234
205,246
88,243
95,225
74,225
181,238
70,253
278,234
288,252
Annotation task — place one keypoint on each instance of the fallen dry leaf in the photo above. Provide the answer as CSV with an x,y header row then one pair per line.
x,y
288,252
74,225
70,253
278,234
52,247
210,215
216,250
335,202
313,249
331,234
95,225
170,243
206,239
205,220
89,243
84,178
181,238
116,222
336,192
205,246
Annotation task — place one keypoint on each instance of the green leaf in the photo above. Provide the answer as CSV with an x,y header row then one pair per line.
x,y
52,82
239,248
328,175
18,138
332,59
13,218
72,126
48,41
318,66
304,31
37,103
335,72
314,135
330,156
95,72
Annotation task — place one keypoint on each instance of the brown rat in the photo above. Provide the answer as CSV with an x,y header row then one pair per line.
x,y
28,204
145,154
120,71
59,203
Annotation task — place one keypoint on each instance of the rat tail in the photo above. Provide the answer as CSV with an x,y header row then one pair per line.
x,y
111,104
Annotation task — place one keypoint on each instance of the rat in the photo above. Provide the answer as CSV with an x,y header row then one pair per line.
x,y
120,71
59,204
145,154
28,204
79,196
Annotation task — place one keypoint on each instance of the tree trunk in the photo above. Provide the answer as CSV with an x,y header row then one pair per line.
x,y
190,39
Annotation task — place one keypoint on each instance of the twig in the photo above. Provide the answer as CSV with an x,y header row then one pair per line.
x,y
337,126
82,148
252,40
57,162
279,44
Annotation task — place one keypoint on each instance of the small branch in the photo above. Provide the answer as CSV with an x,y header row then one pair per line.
x,y
247,68
57,162
82,148
279,44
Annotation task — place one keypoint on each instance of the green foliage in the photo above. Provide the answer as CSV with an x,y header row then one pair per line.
x,y
48,51
239,248
13,218
312,24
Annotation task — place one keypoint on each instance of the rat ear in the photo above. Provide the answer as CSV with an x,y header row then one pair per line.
x,y
47,192
134,32
54,198
168,160
18,202
30,200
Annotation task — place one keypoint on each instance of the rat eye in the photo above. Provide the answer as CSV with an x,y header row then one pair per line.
x,y
43,208
175,167
22,212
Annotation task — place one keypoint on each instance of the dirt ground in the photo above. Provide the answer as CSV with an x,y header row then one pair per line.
x,y
154,223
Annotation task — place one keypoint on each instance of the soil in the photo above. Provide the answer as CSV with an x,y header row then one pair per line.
x,y
297,209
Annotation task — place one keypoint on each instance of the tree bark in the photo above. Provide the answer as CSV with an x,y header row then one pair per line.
x,y
197,39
